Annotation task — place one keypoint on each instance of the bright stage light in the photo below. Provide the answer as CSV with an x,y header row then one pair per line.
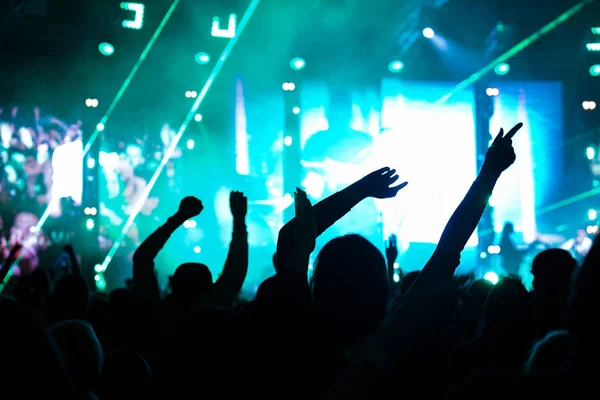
x,y
590,152
190,144
491,277
191,94
138,21
296,110
428,33
595,70
592,214
287,141
100,127
106,49
93,103
197,249
492,92
502,69
198,117
289,86
228,33
89,224
91,163
297,63
588,105
202,58
396,66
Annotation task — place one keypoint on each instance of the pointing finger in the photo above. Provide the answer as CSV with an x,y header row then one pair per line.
x,y
514,130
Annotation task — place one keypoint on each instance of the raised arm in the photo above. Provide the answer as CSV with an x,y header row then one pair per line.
x,y
463,222
144,277
377,184
236,266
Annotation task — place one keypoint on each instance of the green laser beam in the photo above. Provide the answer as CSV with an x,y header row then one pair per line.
x,y
217,68
116,100
516,49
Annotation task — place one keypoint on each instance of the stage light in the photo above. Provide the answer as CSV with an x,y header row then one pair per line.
x,y
100,282
491,277
198,117
396,66
202,58
494,249
428,33
288,86
297,63
502,69
91,163
594,47
191,94
106,49
92,103
396,265
396,277
197,249
590,152
483,255
89,224
86,211
492,92
138,21
287,141
595,70
190,144
592,229
592,214
228,33
596,30
100,127
189,224
98,268
588,105
296,110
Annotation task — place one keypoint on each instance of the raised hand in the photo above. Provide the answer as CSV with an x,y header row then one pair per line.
x,y
189,207
391,250
238,204
501,153
378,184
305,225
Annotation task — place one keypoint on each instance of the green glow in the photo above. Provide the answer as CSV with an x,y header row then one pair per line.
x,y
100,126
169,152
106,49
502,69
228,33
596,30
595,70
516,49
138,22
396,66
593,47
202,58
297,63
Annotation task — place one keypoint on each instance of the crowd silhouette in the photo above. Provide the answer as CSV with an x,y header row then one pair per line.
x,y
348,332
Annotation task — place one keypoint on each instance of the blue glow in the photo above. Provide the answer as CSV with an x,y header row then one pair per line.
x,y
396,66
202,58
297,63
106,49
502,69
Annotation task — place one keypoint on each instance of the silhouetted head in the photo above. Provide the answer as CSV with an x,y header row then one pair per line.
x,y
508,312
81,350
71,298
126,375
191,284
551,355
552,273
350,284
